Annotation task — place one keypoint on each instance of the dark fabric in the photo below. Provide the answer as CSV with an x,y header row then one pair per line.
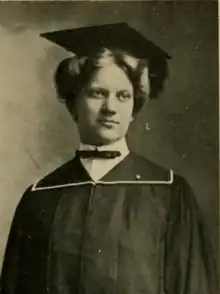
x,y
109,238
85,41
126,170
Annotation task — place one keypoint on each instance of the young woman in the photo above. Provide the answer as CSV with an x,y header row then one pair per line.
x,y
109,220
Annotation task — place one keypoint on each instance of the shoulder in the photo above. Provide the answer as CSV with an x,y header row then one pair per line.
x,y
149,170
62,175
178,187
32,198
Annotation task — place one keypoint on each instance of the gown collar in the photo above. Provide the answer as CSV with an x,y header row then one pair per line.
x,y
134,169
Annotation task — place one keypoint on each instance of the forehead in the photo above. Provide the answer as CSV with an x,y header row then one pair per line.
x,y
111,76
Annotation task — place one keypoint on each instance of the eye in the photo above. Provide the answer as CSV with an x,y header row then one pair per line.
x,y
123,96
96,93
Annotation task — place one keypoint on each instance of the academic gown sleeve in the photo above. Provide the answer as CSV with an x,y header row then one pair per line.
x,y
13,253
189,261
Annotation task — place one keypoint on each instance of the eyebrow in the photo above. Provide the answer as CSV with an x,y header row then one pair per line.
x,y
107,90
124,91
98,88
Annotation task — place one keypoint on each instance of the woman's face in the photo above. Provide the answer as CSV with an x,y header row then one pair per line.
x,y
105,105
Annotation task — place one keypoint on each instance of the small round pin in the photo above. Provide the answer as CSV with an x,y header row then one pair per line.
x,y
138,176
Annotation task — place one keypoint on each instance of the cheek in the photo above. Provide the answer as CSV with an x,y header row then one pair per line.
x,y
126,112
88,109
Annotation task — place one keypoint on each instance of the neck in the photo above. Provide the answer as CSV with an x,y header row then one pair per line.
x,y
101,143
120,145
88,141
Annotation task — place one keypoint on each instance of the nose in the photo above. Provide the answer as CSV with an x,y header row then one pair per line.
x,y
110,104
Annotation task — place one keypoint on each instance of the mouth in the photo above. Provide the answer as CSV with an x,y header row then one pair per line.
x,y
108,122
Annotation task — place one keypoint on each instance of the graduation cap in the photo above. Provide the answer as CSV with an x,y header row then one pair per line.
x,y
85,41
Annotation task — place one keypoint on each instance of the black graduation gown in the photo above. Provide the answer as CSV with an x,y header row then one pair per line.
x,y
137,231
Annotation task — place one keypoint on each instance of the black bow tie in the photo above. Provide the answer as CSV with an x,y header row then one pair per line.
x,y
108,154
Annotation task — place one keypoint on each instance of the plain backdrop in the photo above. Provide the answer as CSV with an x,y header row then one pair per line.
x,y
36,132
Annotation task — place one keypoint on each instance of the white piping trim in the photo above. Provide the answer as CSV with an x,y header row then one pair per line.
x,y
169,182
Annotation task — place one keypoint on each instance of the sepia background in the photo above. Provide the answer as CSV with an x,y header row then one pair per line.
x,y
36,132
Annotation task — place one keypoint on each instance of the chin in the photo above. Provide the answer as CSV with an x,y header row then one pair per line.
x,y
105,139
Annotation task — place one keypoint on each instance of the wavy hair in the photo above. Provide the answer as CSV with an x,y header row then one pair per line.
x,y
147,76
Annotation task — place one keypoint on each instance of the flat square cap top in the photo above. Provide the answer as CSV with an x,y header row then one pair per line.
x,y
85,41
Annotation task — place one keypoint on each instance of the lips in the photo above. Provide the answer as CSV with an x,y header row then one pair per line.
x,y
108,122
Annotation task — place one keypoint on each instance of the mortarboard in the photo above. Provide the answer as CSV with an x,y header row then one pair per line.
x,y
84,41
